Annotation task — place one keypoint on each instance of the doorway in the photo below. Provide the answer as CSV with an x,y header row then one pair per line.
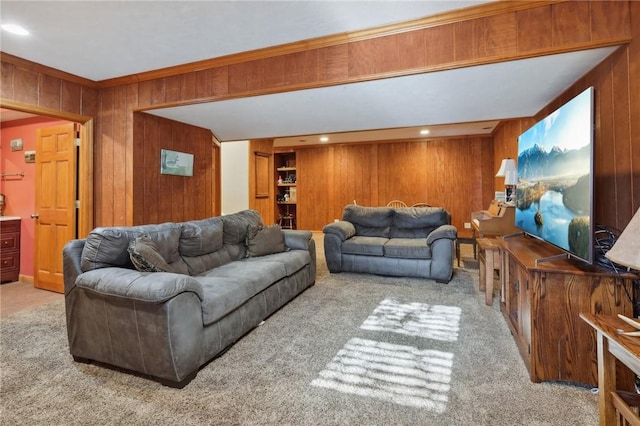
x,y
84,189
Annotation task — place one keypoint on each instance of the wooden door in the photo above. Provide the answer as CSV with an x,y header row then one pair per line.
x,y
56,165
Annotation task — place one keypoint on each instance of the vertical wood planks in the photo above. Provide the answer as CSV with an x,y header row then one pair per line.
x,y
169,198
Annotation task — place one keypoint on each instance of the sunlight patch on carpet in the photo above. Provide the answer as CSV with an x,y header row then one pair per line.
x,y
436,322
400,374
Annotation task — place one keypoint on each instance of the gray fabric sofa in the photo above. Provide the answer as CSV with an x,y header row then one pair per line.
x,y
406,241
166,325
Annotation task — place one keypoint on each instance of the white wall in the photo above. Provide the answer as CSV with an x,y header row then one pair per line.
x,y
234,157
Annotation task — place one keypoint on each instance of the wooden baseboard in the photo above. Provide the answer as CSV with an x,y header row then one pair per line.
x,y
25,279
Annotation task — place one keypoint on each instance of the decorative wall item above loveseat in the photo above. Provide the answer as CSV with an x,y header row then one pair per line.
x,y
229,273
405,241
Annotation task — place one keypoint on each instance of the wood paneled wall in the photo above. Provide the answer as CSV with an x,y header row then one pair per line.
x,y
168,198
266,206
45,88
617,133
445,173
493,32
617,129
113,153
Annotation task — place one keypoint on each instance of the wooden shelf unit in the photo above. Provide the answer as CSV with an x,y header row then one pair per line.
x,y
542,302
286,186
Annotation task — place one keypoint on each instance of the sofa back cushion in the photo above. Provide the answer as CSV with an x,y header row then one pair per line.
x,y
200,237
235,231
417,222
106,247
369,221
202,245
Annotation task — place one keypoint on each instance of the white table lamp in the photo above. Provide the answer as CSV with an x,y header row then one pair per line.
x,y
509,172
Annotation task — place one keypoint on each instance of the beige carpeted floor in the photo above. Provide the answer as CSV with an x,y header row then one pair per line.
x,y
354,349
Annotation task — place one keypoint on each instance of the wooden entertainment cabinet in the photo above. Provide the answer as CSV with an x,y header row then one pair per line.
x,y
542,302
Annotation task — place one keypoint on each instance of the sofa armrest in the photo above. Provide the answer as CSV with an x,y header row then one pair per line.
x,y
302,240
297,240
152,287
443,231
71,257
342,229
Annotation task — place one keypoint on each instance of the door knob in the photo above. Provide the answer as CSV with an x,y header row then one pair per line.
x,y
35,215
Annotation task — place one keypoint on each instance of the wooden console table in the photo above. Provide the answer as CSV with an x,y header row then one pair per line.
x,y
542,302
489,260
613,346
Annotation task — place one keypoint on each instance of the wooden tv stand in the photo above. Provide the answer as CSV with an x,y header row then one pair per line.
x,y
542,302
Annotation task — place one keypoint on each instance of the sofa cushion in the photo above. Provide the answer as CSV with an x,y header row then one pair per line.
x,y
236,225
105,247
199,264
228,287
371,246
221,295
369,221
292,261
200,237
407,248
201,245
263,240
145,255
235,231
414,222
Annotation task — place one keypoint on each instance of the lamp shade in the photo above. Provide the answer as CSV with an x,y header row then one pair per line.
x,y
508,171
511,178
626,250
508,165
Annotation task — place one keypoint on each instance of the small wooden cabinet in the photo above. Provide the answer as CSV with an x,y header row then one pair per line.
x,y
542,302
10,249
286,189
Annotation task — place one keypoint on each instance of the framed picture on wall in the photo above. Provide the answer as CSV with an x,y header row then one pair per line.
x,y
176,163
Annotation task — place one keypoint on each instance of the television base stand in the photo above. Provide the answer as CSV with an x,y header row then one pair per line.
x,y
552,258
515,234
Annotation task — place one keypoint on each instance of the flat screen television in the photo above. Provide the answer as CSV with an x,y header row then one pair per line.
x,y
554,194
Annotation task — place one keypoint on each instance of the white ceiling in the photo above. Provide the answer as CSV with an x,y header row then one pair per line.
x,y
106,39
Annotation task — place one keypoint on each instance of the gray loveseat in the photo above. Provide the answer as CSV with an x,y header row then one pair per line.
x,y
406,241
225,280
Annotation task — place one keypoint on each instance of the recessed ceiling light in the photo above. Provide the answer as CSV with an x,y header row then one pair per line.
x,y
15,29
424,132
324,139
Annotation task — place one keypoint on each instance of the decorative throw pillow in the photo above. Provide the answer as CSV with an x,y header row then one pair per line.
x,y
263,240
146,257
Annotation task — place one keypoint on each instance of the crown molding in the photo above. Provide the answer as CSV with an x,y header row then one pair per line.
x,y
34,66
